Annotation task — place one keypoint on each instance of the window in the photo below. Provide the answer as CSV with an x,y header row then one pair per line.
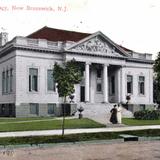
x,y
7,81
141,85
50,81
99,73
34,108
3,82
11,80
129,84
99,87
7,78
142,107
99,80
112,85
51,108
33,79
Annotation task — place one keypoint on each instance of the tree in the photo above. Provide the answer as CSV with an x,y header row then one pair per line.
x,y
156,83
66,75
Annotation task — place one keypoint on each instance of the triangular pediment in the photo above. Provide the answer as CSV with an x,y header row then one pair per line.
x,y
98,43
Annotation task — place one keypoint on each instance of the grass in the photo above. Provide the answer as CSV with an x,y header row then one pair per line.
x,y
135,122
76,137
6,119
49,125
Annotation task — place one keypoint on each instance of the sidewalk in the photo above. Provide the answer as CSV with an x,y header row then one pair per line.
x,y
75,131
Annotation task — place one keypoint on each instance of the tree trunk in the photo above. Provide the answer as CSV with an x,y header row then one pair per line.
x,y
63,121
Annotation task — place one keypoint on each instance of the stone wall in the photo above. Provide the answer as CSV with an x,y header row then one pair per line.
x,y
137,107
23,110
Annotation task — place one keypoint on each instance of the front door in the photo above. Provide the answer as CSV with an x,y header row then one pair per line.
x,y
82,93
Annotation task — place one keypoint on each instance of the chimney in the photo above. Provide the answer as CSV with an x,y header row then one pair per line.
x,y
3,38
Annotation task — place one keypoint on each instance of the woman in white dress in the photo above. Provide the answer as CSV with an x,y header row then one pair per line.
x,y
119,114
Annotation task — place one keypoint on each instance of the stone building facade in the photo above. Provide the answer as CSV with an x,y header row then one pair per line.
x,y
110,72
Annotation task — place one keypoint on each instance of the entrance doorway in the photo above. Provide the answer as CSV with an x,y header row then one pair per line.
x,y
82,94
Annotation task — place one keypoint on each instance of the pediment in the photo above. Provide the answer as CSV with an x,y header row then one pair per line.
x,y
97,44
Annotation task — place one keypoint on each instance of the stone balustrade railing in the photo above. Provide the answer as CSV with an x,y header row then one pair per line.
x,y
41,43
141,55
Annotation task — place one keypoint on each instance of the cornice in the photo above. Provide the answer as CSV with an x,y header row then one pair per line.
x,y
140,60
95,54
13,46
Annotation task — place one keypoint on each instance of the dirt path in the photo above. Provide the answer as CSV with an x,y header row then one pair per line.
x,y
147,150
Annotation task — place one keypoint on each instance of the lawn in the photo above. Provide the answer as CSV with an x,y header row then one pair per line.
x,y
76,137
6,119
135,122
47,124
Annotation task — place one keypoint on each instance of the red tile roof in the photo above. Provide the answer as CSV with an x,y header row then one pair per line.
x,y
52,34
126,49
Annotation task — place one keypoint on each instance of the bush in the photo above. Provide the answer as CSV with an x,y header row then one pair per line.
x,y
147,115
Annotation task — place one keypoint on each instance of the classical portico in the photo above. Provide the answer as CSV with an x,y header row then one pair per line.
x,y
97,50
116,66
105,82
109,82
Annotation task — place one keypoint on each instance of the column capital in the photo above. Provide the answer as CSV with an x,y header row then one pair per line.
x,y
89,63
106,64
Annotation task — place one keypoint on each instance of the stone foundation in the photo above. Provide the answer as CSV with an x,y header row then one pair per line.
x,y
23,110
137,107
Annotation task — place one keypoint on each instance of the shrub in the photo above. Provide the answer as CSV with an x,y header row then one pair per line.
x,y
147,115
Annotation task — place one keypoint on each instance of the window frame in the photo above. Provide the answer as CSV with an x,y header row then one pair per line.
x,y
11,80
128,75
139,85
30,80
99,72
3,82
54,85
36,105
112,89
54,108
99,83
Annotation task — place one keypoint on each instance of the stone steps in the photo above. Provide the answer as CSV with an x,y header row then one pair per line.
x,y
100,112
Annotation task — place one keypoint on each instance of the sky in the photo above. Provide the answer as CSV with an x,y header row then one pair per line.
x,y
135,24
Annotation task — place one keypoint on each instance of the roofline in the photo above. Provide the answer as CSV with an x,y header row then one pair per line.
x,y
105,37
36,31
58,30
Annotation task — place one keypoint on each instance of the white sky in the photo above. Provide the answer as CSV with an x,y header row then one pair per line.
x,y
135,24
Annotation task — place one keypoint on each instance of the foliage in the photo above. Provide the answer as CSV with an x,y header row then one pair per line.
x,y
147,114
35,140
66,76
156,91
156,83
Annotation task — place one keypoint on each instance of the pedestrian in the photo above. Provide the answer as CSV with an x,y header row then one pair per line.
x,y
113,118
119,114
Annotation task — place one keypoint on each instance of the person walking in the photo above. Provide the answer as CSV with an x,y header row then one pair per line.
x,y
113,118
119,114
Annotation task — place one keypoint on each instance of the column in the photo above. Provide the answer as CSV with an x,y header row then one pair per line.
x,y
105,83
123,84
150,86
86,82
119,85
